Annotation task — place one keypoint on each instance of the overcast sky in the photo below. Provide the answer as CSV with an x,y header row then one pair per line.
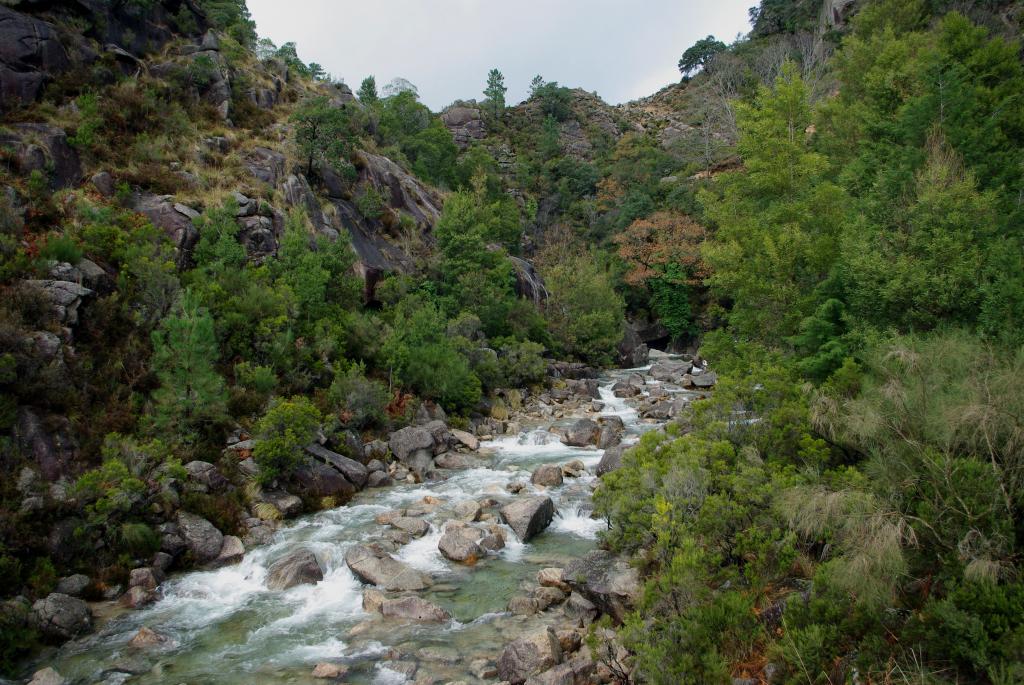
x,y
623,49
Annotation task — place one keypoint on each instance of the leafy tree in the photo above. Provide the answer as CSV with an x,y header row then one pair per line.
x,y
368,91
555,100
778,220
495,92
191,399
423,358
584,313
536,83
323,133
284,431
232,17
699,55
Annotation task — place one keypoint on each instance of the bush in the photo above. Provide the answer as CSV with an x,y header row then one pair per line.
x,y
371,203
283,433
61,248
359,401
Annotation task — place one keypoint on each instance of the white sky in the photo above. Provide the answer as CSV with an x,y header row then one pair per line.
x,y
623,49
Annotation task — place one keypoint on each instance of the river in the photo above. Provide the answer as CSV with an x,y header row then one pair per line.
x,y
224,626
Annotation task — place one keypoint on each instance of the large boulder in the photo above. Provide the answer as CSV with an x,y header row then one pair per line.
x,y
606,580
578,669
548,475
670,370
379,568
611,459
61,617
201,537
704,380
582,433
316,479
298,568
529,516
461,544
413,446
355,472
413,609
529,655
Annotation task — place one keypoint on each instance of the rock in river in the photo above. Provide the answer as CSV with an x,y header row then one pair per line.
x,y
529,516
529,655
582,433
300,567
379,568
414,609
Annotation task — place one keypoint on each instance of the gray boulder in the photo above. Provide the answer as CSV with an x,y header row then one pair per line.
x,y
582,433
548,475
377,567
461,544
355,472
206,474
201,537
231,552
73,585
47,676
608,581
61,617
413,609
528,517
413,446
704,380
298,568
43,148
411,525
528,656
611,459
317,479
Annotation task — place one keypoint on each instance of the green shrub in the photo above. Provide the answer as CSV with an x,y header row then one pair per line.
x,y
43,577
138,539
360,401
371,203
283,432
61,248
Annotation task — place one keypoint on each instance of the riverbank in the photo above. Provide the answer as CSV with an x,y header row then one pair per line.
x,y
480,608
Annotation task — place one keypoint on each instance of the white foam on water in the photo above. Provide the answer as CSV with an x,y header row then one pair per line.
x,y
422,553
385,676
581,525
514,549
331,648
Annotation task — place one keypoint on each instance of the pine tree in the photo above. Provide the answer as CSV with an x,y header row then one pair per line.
x,y
191,397
368,91
536,84
495,92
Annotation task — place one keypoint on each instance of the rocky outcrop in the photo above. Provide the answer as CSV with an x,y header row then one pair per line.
x,y
43,148
606,580
377,567
529,516
173,218
529,284
48,440
61,617
465,123
30,54
298,568
265,165
529,656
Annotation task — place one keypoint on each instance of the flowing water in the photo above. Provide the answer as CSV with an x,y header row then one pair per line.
x,y
225,626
